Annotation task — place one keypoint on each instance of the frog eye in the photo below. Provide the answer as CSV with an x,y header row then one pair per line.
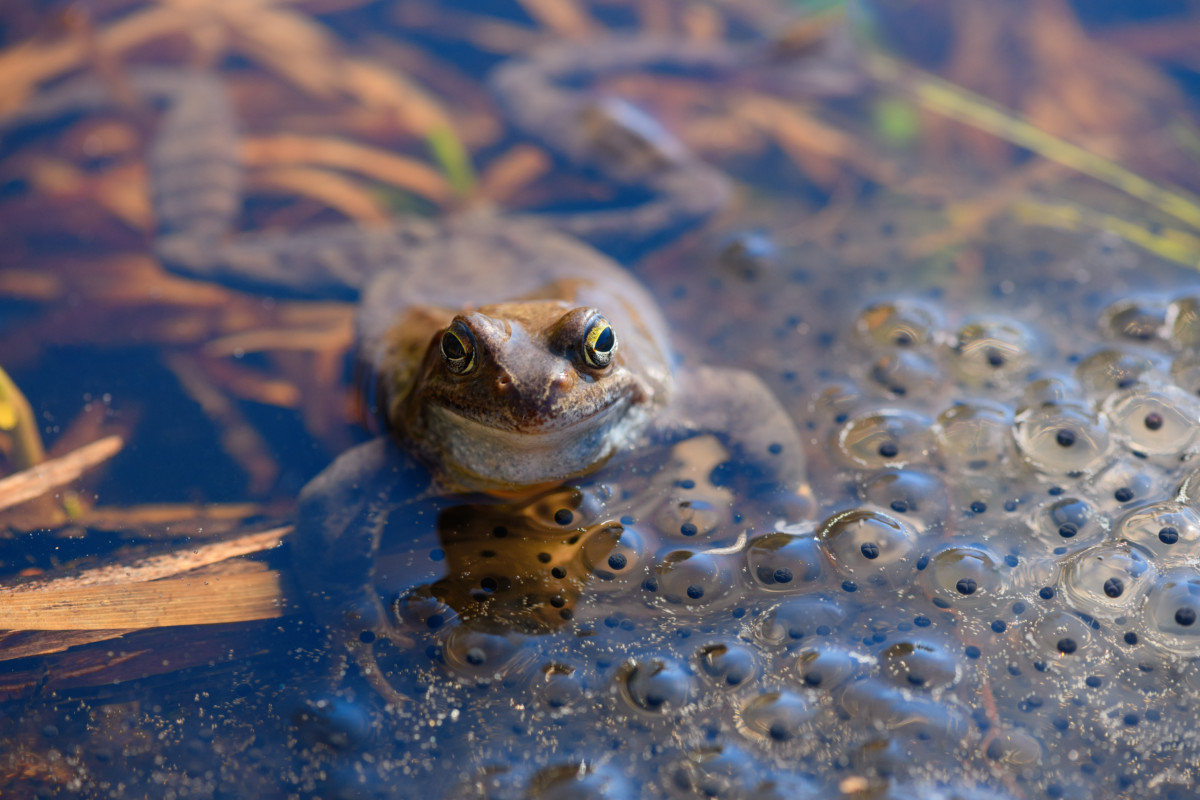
x,y
458,348
599,343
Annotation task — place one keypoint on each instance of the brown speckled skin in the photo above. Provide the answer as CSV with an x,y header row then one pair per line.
x,y
532,411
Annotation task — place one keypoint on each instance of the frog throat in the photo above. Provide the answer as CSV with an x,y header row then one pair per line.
x,y
480,457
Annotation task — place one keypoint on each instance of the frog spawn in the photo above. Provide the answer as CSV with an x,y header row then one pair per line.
x,y
1029,538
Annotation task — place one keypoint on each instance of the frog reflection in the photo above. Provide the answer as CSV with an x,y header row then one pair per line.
x,y
521,566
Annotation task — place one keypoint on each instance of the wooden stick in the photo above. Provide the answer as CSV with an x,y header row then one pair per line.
x,y
36,481
186,600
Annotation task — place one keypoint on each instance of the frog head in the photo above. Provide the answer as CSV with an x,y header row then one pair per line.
x,y
518,395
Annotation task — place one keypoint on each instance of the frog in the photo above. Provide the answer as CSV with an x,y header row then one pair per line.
x,y
566,367
504,354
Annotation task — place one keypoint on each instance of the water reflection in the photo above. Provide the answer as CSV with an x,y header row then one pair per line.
x,y
996,593
522,567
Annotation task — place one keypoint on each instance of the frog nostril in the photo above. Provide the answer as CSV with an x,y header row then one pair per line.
x,y
562,382
503,382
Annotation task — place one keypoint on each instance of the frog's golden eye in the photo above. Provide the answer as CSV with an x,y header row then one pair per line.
x,y
599,343
458,348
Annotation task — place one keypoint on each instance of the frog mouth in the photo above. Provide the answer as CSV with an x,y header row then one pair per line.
x,y
545,425
482,455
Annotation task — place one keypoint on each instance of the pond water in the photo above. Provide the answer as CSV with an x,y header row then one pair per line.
x,y
972,288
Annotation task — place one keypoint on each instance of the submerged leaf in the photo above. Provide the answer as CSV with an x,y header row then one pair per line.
x,y
448,149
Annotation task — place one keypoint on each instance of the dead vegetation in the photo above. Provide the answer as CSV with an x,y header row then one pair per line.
x,y
390,128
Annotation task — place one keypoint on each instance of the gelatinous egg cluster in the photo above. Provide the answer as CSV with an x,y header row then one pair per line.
x,y
998,594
